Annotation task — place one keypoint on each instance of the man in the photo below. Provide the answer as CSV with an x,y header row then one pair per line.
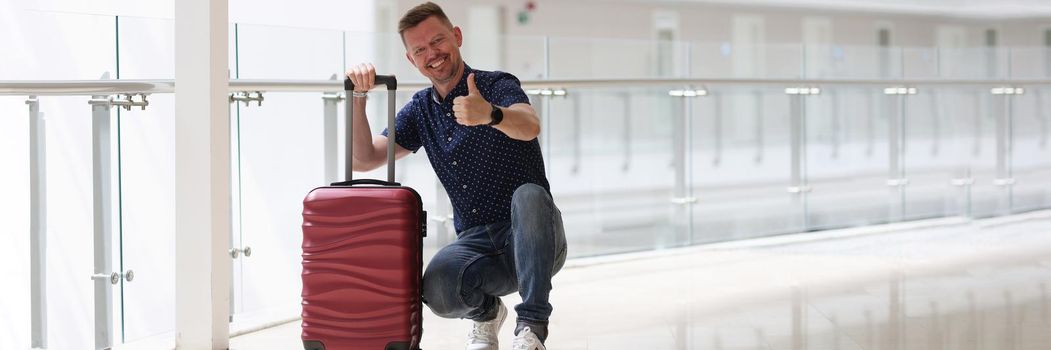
x,y
480,134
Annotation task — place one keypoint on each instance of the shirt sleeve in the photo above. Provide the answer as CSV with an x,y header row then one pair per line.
x,y
407,134
507,90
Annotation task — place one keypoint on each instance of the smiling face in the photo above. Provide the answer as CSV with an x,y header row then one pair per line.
x,y
434,48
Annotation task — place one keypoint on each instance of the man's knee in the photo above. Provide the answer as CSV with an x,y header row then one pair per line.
x,y
440,290
529,195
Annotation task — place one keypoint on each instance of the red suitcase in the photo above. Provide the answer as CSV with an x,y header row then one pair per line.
x,y
363,258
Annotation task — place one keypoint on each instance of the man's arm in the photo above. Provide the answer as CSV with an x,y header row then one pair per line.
x,y
370,152
520,121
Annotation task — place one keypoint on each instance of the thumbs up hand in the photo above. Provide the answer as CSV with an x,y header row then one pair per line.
x,y
472,109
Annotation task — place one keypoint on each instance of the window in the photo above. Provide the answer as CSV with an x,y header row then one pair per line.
x,y
992,62
883,40
665,52
990,37
883,37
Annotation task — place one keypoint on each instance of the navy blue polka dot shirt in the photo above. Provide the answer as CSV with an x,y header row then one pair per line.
x,y
479,166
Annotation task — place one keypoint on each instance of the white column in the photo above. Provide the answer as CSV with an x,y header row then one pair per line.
x,y
202,175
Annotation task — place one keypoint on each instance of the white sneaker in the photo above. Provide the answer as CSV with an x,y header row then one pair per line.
x,y
484,334
526,340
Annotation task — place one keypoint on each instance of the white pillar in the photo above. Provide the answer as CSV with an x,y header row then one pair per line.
x,y
202,175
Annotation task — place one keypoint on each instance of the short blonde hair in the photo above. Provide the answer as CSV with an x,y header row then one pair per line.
x,y
421,13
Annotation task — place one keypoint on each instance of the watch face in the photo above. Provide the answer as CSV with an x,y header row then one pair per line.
x,y
496,115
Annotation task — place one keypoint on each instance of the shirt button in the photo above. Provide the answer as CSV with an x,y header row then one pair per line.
x,y
447,114
449,139
454,162
474,210
465,186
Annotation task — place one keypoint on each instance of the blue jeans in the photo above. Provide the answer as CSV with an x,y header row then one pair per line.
x,y
466,277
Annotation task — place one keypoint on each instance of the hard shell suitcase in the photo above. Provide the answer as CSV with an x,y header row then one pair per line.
x,y
362,258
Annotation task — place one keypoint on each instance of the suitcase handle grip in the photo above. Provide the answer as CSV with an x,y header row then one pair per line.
x,y
392,85
389,80
366,182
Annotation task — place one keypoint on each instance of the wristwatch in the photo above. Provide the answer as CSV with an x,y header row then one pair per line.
x,y
497,115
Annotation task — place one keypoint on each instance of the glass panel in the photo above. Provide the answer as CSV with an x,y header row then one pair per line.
x,y
83,48
848,131
1031,153
724,60
1030,63
920,63
268,52
615,196
936,128
147,149
275,176
383,50
79,47
710,60
740,165
973,63
853,62
525,56
574,58
14,212
70,252
148,178
274,179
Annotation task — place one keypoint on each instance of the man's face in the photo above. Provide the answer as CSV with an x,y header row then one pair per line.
x,y
434,49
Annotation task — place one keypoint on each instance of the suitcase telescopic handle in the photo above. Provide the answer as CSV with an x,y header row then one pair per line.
x,y
366,182
389,80
392,85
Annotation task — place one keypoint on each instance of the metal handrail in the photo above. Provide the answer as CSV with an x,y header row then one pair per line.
x,y
110,87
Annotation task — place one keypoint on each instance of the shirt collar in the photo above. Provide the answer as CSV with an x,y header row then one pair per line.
x,y
461,86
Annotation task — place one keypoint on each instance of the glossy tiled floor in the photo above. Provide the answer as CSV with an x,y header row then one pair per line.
x,y
958,285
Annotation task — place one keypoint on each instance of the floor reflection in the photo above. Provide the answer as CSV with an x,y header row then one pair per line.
x,y
975,286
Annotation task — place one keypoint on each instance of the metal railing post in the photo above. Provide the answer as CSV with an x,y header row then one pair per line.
x,y
1004,129
37,224
759,136
798,185
235,207
331,131
1041,116
627,132
717,127
894,156
1007,172
442,215
102,207
577,136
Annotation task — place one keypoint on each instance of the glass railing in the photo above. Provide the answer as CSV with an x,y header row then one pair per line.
x,y
653,145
